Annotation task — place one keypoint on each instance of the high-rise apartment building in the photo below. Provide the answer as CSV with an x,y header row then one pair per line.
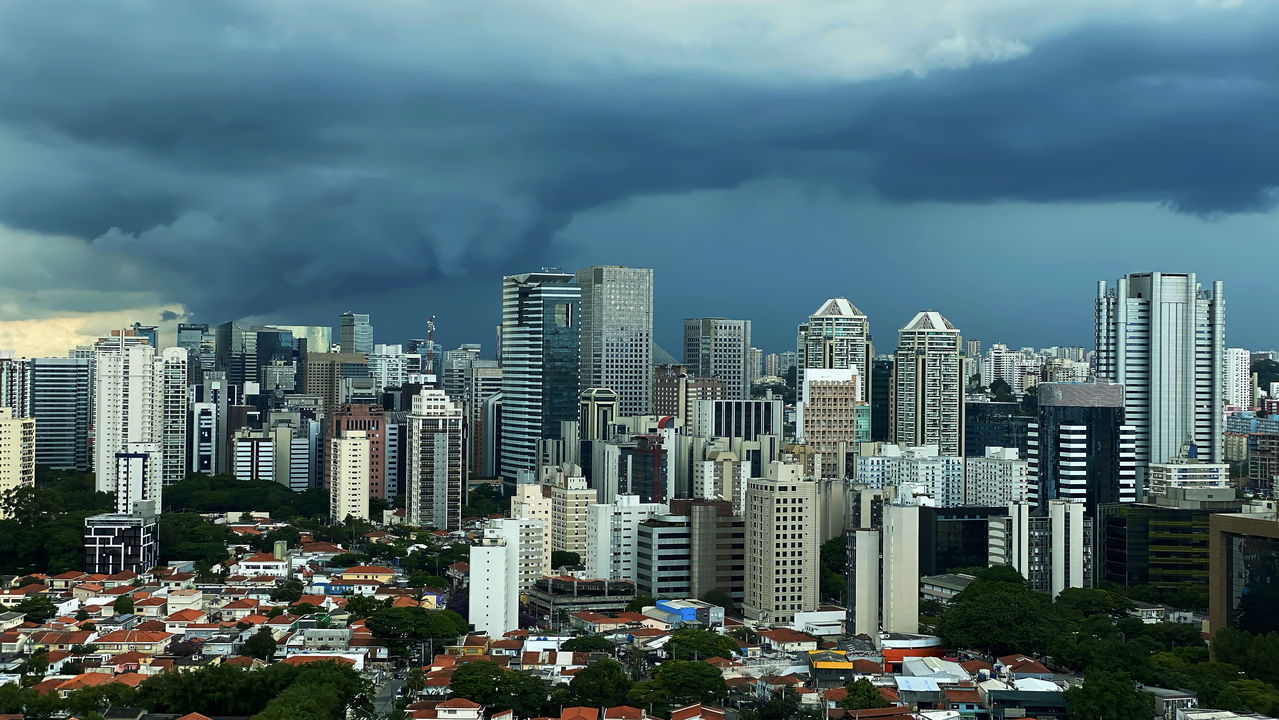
x,y
1080,447
746,419
612,534
928,407
348,475
456,369
836,336
355,333
140,397
995,478
540,378
782,543
720,348
17,453
436,476
616,347
15,383
372,421
833,417
322,374
571,499
506,561
900,541
1161,336
676,389
62,404
1240,392
388,365
1052,550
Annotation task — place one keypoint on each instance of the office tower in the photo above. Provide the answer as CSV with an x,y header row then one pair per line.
x,y
236,352
929,385
355,333
699,546
1053,551
833,418
570,499
17,453
996,478
456,369
214,397
900,539
1243,572
200,344
505,561
149,332
952,538
617,334
676,389
253,454
15,383
323,373
1239,388
349,475
918,470
881,398
62,404
388,365
1080,447
370,420
781,544
612,536
483,387
746,419
310,338
836,336
540,378
141,397
272,346
994,424
436,467
280,377
1186,473
137,477
115,543
597,412
127,539
720,348
755,366
1160,335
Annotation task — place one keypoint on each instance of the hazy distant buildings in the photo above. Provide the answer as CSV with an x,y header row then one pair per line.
x,y
616,344
1161,336
929,385
1240,390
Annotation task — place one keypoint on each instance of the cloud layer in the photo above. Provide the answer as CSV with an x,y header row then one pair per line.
x,y
249,156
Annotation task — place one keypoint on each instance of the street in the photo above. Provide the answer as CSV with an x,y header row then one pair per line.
x,y
384,700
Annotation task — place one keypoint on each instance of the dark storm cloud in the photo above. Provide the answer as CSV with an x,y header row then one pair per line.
x,y
240,166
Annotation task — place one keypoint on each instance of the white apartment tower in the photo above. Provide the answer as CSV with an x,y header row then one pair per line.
x,y
17,453
1161,335
928,390
349,470
1239,388
612,532
782,544
836,336
140,397
436,476
721,348
137,479
506,560
617,334
15,383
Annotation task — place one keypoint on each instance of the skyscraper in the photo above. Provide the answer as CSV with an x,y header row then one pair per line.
x,y
355,333
617,334
1161,336
928,407
15,383
782,543
1239,388
540,378
348,476
720,348
1080,448
140,397
62,404
436,475
17,452
836,336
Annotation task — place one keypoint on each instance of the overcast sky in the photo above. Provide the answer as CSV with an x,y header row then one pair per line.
x,y
285,160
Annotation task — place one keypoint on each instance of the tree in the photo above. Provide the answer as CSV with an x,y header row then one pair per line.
x,y
37,608
715,596
603,683
784,704
1108,695
997,616
640,602
419,579
563,558
288,592
123,605
587,643
416,679
1090,601
477,681
260,645
862,695
1001,391
687,682
362,606
1267,372
697,644
401,627
1030,401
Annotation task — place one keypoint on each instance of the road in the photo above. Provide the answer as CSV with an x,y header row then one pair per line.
x,y
384,700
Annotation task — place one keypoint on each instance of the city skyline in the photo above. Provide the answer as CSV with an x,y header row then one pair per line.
x,y
404,185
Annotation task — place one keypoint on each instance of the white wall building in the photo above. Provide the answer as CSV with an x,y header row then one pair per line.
x,y
1053,551
999,478
923,469
1186,473
612,530
436,476
901,568
570,499
1239,388
928,399
137,478
388,365
17,452
349,469
507,559
139,398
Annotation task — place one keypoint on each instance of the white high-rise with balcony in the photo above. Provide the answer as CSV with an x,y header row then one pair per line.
x,y
1239,389
835,337
612,532
928,400
140,397
17,452
1161,335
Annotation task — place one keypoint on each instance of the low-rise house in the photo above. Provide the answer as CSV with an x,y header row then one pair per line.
x,y
377,573
152,607
60,640
262,564
787,640
697,712
1022,666
142,641
10,620
964,700
239,609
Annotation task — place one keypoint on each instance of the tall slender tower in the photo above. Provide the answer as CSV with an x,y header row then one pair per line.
x,y
1162,336
140,398
617,334
836,336
436,473
355,333
928,400
720,348
540,372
